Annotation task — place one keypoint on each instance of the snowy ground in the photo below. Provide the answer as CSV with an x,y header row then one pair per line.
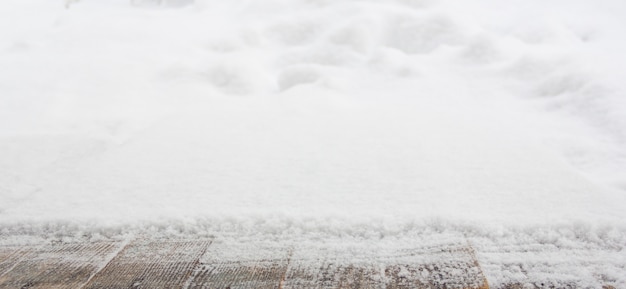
x,y
350,122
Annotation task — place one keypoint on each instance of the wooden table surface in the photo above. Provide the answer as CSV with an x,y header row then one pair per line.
x,y
201,263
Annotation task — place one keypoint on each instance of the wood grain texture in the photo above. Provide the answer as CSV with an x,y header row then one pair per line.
x,y
330,275
57,265
227,266
151,264
193,264
260,274
449,266
10,256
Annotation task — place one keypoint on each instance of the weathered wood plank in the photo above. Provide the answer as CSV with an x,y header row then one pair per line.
x,y
10,256
260,274
441,266
330,275
151,264
529,263
547,284
233,266
447,266
57,265
544,285
189,264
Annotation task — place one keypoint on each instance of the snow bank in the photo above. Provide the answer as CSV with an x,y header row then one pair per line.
x,y
320,120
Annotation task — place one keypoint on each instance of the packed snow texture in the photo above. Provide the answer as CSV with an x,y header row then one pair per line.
x,y
293,120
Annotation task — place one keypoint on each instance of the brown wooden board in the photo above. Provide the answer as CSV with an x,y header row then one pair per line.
x,y
10,256
440,266
261,275
57,265
151,264
329,275
446,266
232,266
193,264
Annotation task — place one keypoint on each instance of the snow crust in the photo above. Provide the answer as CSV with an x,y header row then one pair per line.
x,y
306,121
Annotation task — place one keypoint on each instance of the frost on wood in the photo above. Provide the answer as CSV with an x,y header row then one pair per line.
x,y
150,264
52,266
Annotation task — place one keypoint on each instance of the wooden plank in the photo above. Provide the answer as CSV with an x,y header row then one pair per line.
x,y
151,264
547,284
340,266
239,266
441,266
542,285
57,265
526,263
329,275
181,264
10,256
259,274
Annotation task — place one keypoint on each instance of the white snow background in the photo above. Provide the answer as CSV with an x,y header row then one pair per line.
x,y
294,121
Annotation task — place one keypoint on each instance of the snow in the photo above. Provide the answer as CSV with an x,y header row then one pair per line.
x,y
366,122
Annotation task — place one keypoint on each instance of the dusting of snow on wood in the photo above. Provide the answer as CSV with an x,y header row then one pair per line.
x,y
151,264
56,265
